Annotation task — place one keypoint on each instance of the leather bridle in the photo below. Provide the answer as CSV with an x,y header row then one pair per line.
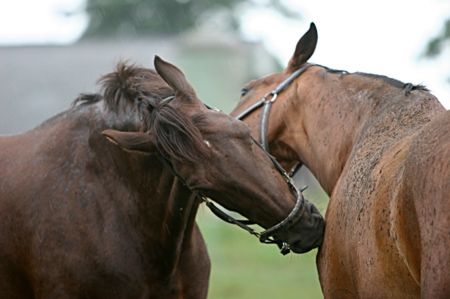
x,y
296,213
267,101
266,236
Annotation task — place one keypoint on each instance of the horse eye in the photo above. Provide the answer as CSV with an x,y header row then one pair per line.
x,y
244,91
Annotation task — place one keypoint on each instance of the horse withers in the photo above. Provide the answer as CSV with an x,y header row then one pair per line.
x,y
84,216
381,150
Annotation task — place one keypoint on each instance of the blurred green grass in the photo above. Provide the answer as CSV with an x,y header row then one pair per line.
x,y
243,268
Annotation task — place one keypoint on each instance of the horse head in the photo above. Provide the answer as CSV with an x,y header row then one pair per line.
x,y
293,98
214,155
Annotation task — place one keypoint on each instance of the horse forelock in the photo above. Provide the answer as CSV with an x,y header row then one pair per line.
x,y
177,134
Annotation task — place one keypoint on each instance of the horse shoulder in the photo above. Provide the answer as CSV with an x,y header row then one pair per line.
x,y
427,177
54,210
397,215
362,220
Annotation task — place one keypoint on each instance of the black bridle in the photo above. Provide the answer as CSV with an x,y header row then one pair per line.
x,y
266,236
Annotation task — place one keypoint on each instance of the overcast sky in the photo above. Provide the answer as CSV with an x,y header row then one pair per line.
x,y
384,36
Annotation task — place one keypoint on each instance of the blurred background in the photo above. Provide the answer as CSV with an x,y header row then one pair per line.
x,y
52,50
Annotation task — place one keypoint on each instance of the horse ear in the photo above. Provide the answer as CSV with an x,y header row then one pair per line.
x,y
174,77
132,141
305,48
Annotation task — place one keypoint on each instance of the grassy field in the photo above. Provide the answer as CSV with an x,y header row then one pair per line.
x,y
243,268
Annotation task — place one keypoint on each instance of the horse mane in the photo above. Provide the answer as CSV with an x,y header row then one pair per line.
x,y
133,89
122,88
407,87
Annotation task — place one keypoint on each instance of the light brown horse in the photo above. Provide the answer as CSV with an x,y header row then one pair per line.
x,y
381,150
81,217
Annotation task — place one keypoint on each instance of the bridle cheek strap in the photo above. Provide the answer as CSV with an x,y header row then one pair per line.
x,y
265,125
267,102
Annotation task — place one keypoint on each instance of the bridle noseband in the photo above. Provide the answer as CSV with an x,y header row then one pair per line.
x,y
266,236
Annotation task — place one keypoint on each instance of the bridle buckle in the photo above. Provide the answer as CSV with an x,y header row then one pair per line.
x,y
272,99
285,248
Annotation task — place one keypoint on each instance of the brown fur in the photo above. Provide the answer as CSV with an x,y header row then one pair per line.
x,y
81,217
381,150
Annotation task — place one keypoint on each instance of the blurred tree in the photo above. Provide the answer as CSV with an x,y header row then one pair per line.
x,y
125,18
437,43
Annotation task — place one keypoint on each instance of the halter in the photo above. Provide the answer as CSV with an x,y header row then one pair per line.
x,y
267,102
266,236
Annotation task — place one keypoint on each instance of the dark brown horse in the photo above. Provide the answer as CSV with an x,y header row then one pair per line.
x,y
381,150
81,217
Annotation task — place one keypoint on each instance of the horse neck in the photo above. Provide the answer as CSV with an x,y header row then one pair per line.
x,y
319,131
161,208
330,113
178,223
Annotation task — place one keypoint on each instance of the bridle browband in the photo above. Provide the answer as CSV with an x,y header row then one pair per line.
x,y
266,236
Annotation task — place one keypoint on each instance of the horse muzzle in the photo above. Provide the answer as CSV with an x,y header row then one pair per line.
x,y
307,233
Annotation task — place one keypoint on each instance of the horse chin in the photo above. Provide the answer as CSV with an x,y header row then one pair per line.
x,y
300,247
